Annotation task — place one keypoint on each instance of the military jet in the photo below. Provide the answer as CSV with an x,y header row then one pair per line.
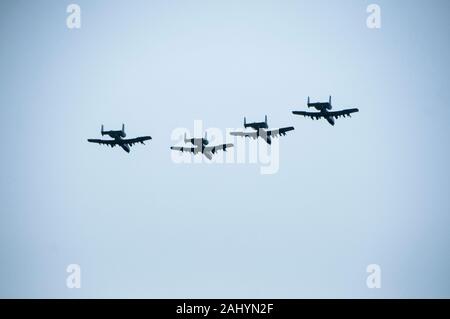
x,y
200,146
119,139
261,129
324,108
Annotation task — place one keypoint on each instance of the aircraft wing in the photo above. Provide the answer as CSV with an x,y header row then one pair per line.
x,y
194,150
253,135
210,150
132,141
313,115
111,143
221,147
280,131
343,113
334,114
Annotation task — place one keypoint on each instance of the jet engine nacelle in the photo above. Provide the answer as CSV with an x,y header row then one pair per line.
x,y
195,141
114,134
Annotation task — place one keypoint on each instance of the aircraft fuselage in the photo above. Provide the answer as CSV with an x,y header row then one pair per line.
x,y
261,132
120,142
326,115
323,107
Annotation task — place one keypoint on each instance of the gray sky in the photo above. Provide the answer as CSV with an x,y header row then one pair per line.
x,y
371,190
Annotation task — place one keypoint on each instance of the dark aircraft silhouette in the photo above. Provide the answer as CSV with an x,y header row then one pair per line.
x,y
261,130
118,139
323,107
200,146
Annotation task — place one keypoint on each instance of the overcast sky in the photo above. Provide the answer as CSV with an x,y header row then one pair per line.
x,y
373,189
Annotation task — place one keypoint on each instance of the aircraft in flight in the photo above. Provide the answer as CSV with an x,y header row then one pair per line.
x,y
119,139
261,129
323,108
200,146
